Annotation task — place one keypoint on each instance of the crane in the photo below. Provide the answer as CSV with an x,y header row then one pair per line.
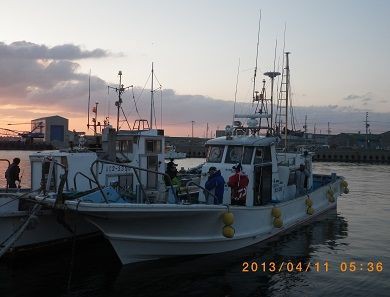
x,y
28,136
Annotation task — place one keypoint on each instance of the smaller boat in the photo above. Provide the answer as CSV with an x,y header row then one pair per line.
x,y
171,153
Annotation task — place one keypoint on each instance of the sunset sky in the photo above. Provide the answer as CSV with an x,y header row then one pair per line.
x,y
339,60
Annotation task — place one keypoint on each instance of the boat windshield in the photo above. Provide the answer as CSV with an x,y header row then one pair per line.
x,y
215,153
239,154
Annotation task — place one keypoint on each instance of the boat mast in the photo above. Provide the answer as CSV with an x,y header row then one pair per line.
x,y
120,90
257,56
119,102
287,93
151,101
89,95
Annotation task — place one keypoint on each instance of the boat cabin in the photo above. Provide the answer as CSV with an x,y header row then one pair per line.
x,y
137,148
271,175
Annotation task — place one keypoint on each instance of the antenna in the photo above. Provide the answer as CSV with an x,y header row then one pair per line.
x,y
257,56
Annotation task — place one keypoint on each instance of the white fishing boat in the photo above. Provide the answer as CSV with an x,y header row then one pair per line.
x,y
65,174
24,225
269,192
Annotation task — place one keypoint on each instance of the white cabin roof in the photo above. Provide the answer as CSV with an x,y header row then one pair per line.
x,y
252,140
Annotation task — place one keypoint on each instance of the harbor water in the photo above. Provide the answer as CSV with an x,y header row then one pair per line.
x,y
345,252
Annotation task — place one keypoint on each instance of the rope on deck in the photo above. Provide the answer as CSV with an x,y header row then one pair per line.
x,y
8,242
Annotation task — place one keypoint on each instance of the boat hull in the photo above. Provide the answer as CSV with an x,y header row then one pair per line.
x,y
44,228
140,232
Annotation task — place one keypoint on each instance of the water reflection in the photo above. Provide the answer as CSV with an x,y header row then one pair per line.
x,y
221,275
95,270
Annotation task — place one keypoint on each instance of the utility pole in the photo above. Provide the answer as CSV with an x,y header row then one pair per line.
x,y
207,130
328,128
192,129
367,125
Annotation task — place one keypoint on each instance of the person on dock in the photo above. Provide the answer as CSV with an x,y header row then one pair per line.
x,y
12,174
216,184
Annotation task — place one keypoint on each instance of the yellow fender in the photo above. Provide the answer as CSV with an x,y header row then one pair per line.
x,y
276,212
278,222
228,218
228,231
277,215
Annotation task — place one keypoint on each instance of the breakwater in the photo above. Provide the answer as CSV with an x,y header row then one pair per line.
x,y
352,155
20,145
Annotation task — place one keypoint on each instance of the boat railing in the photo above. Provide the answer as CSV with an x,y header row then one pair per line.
x,y
6,182
90,180
136,173
200,187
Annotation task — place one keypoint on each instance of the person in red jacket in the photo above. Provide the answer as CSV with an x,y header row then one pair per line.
x,y
238,183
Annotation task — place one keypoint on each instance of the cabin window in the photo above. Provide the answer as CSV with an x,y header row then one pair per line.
x,y
153,146
48,176
239,154
152,177
263,154
215,153
234,154
124,146
248,152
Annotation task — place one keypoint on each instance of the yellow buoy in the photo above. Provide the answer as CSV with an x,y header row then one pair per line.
x,y
228,218
228,231
278,222
346,190
309,202
344,184
310,210
276,212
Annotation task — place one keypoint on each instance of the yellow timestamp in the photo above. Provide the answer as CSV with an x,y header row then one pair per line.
x,y
325,266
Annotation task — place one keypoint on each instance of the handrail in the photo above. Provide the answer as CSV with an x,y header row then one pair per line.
x,y
134,168
6,181
200,187
84,175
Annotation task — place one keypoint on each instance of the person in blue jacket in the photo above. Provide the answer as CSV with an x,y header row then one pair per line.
x,y
217,183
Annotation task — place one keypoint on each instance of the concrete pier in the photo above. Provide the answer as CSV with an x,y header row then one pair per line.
x,y
353,155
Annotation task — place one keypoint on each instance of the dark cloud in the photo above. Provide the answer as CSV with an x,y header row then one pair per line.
x,y
362,98
32,73
32,51
352,97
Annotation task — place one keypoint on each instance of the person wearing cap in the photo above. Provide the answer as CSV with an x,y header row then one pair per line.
x,y
172,173
215,183
12,173
238,183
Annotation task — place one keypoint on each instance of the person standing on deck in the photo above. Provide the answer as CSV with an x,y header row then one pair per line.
x,y
238,183
301,177
217,183
12,174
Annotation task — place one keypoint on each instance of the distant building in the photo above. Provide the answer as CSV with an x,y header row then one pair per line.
x,y
53,128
